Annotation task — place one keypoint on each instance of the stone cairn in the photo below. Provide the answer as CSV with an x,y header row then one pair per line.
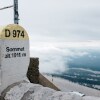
x,y
33,70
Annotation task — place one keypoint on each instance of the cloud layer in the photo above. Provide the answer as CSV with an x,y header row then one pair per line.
x,y
55,57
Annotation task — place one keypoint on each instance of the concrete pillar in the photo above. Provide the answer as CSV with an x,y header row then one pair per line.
x,y
14,54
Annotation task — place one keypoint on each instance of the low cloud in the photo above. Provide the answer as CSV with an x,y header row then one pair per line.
x,y
54,58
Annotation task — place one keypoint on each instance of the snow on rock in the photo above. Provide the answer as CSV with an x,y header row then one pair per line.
x,y
41,94
64,96
90,98
28,91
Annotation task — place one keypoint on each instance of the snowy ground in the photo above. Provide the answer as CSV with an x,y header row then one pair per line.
x,y
27,91
67,86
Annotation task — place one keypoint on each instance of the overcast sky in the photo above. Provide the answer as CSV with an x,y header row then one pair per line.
x,y
56,20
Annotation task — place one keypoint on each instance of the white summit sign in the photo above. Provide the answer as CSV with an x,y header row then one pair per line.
x,y
14,54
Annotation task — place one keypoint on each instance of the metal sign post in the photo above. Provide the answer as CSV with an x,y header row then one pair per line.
x,y
16,15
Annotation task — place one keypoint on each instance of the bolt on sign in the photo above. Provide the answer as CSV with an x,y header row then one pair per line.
x,y
14,54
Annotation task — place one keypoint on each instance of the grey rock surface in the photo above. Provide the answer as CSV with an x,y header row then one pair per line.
x,y
27,91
